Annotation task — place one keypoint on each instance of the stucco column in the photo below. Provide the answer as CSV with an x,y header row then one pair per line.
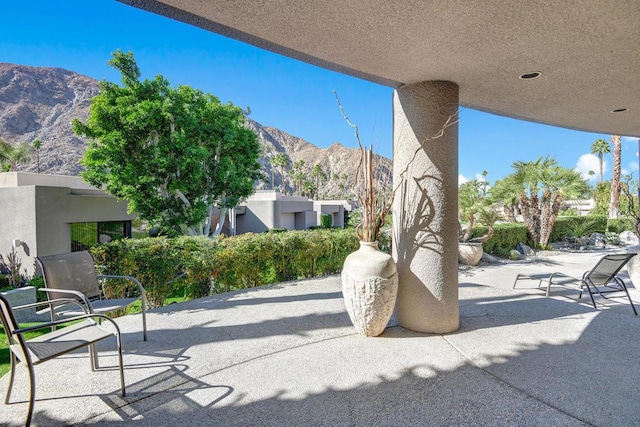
x,y
425,208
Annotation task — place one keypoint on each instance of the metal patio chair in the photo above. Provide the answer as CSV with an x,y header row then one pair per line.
x,y
602,279
73,275
53,344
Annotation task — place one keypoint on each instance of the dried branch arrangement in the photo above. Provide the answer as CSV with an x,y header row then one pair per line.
x,y
377,202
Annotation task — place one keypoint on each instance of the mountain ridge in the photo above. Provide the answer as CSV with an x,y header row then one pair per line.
x,y
40,103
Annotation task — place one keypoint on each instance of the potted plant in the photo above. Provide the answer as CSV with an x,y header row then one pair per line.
x,y
472,203
369,276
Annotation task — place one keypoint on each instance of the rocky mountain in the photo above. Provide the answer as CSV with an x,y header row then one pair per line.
x,y
40,102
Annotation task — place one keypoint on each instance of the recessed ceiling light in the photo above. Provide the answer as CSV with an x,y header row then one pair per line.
x,y
529,76
619,110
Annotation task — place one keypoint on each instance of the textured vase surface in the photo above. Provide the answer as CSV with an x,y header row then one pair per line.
x,y
369,288
470,253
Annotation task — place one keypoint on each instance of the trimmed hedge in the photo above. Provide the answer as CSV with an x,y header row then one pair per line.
x,y
577,226
200,266
505,236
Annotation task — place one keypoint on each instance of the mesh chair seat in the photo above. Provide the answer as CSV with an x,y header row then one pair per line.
x,y
73,275
53,344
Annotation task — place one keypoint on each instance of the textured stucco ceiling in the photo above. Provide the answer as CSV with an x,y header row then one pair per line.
x,y
588,51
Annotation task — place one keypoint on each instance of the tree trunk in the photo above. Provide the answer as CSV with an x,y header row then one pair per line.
x,y
529,214
469,231
614,204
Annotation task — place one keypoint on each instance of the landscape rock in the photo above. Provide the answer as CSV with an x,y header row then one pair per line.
x,y
629,238
525,249
597,240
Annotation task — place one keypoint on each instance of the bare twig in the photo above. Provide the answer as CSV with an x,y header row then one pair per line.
x,y
374,205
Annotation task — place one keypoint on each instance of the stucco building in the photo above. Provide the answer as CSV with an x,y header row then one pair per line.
x,y
39,213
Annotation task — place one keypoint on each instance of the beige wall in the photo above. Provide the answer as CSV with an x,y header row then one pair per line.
x,y
40,215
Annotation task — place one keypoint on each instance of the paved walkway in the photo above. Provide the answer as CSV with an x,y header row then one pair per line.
x,y
286,355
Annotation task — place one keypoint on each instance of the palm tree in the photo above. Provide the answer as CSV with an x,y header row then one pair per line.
x,y
319,175
280,160
36,146
298,176
543,185
484,183
600,147
470,202
506,192
614,204
13,155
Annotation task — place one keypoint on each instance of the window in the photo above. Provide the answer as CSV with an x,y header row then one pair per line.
x,y
87,234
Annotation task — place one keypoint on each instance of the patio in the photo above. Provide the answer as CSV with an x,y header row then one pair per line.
x,y
287,355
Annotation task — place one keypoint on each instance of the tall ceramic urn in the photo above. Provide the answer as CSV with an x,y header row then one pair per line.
x,y
369,288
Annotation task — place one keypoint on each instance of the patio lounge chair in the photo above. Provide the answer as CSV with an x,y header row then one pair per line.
x,y
73,275
53,344
602,279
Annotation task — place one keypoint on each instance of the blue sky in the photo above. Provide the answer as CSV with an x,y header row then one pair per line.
x,y
295,97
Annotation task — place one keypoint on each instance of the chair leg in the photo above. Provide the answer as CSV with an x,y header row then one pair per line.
x,y
32,393
93,356
121,366
12,374
144,318
626,291
593,301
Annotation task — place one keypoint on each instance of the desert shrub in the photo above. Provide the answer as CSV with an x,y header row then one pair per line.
x,y
612,238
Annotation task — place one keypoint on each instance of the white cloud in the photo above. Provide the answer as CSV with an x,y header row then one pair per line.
x,y
624,172
461,180
590,162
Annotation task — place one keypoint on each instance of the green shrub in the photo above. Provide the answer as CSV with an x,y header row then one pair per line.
x,y
618,225
153,261
504,236
227,263
326,220
577,226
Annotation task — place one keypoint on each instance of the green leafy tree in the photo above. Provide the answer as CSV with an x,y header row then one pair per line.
x,y
601,196
173,153
599,148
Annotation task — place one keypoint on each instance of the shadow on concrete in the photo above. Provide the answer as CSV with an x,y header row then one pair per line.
x,y
524,360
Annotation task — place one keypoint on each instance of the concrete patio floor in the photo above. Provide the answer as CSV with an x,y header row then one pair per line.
x,y
286,355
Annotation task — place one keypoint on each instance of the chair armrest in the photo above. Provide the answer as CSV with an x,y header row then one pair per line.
x,y
51,302
82,297
131,278
71,319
